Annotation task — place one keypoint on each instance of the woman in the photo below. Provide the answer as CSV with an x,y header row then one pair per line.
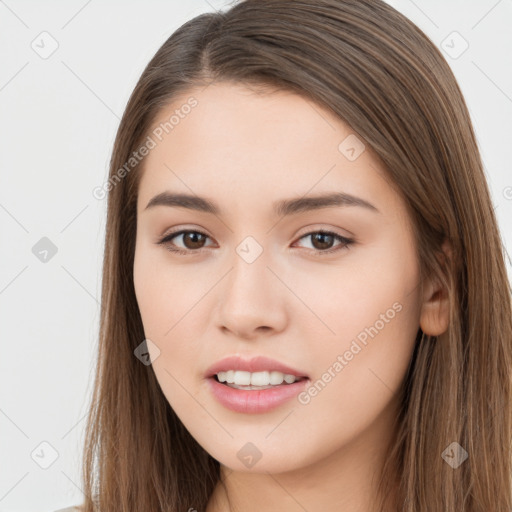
x,y
305,301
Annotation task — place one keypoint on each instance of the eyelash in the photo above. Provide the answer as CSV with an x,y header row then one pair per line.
x,y
346,242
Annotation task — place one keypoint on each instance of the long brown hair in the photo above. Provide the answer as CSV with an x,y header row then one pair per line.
x,y
382,75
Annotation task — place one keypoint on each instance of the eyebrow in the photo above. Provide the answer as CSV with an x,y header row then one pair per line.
x,y
281,208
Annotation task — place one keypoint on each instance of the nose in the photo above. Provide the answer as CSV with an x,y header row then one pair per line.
x,y
252,301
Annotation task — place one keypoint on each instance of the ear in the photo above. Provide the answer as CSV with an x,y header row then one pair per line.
x,y
435,310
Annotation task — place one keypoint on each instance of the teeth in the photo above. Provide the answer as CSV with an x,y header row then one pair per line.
x,y
241,378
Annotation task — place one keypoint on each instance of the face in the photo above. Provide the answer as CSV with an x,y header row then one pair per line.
x,y
329,289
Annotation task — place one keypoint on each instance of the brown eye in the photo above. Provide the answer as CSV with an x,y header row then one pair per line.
x,y
193,241
322,240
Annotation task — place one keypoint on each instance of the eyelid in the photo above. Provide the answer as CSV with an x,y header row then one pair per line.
x,y
315,228
312,228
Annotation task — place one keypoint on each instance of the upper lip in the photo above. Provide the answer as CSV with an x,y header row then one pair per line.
x,y
256,364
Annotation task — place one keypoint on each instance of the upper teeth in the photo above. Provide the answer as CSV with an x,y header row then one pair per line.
x,y
241,378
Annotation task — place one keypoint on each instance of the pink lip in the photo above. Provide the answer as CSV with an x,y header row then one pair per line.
x,y
255,401
256,364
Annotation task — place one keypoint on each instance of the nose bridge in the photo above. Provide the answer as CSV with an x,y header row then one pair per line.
x,y
249,275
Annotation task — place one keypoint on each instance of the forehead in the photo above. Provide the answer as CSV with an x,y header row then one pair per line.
x,y
261,144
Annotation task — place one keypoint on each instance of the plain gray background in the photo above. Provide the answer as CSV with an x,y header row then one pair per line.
x,y
59,115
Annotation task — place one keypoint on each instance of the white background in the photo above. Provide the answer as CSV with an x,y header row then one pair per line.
x,y
57,125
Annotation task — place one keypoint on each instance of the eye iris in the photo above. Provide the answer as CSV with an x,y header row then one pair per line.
x,y
193,236
321,237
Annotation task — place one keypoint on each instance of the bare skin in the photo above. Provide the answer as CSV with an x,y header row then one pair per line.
x,y
244,151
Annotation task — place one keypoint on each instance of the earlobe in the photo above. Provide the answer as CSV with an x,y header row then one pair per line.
x,y
435,310
435,313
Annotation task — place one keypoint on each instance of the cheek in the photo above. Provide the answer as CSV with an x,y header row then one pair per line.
x,y
164,298
352,294
373,309
171,300
164,292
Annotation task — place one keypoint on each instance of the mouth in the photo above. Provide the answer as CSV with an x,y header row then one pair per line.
x,y
252,398
255,385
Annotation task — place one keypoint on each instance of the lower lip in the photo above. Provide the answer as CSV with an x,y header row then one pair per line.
x,y
254,401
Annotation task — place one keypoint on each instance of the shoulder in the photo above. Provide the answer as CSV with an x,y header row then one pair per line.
x,y
76,508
